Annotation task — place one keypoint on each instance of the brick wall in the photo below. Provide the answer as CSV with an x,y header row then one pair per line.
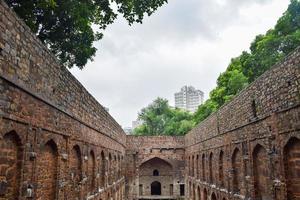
x,y
248,148
58,142
55,138
144,154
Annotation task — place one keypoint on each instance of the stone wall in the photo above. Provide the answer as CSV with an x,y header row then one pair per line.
x,y
57,141
144,156
250,147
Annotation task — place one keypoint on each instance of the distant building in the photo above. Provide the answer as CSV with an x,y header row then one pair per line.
x,y
189,98
136,123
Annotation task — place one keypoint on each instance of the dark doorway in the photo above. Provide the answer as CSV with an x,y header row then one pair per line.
x,y
181,189
155,188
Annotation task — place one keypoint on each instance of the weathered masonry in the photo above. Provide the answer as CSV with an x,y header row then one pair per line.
x,y
155,167
58,143
250,148
56,140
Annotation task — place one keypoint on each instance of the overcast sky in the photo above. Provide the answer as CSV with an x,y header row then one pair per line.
x,y
186,42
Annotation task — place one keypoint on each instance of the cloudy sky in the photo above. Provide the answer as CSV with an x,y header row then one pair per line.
x,y
186,42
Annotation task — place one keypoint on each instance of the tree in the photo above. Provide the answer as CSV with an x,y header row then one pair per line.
x,y
160,119
268,49
265,51
65,26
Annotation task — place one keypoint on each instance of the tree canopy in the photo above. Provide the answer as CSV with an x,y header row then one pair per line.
x,y
65,26
266,50
160,119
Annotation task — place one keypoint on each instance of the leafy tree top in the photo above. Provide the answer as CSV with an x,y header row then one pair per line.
x,y
66,25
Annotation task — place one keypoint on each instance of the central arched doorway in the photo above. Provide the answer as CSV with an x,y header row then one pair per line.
x,y
155,188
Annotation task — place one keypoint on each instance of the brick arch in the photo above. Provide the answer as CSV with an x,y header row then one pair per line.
x,y
110,166
115,167
237,170
213,196
292,169
47,163
261,172
76,171
102,169
91,172
155,157
194,192
204,194
203,167
197,166
221,168
193,165
199,193
119,167
211,170
10,164
190,166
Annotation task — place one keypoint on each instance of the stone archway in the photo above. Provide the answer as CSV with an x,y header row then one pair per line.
x,y
292,170
213,196
10,161
47,172
155,188
154,173
76,172
260,169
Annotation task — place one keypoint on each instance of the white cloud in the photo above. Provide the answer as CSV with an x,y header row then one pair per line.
x,y
184,42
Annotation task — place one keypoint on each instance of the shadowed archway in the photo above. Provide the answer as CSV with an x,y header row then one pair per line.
x,y
155,188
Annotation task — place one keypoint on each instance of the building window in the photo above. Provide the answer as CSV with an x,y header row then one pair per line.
x,y
156,173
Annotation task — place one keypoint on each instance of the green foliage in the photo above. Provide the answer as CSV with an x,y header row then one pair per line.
x,y
66,25
160,119
268,49
205,110
265,51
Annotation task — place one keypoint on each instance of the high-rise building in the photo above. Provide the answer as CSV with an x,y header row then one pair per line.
x,y
189,98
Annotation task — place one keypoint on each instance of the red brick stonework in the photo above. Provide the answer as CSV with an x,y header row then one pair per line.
x,y
55,138
58,143
250,147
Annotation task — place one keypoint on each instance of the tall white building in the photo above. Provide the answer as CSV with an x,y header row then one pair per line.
x,y
189,98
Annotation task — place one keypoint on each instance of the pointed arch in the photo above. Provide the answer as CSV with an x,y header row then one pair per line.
x,y
102,170
199,193
292,169
110,164
221,168
213,196
203,167
10,162
193,165
197,167
204,194
237,170
91,172
211,173
260,172
47,163
155,188
76,171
